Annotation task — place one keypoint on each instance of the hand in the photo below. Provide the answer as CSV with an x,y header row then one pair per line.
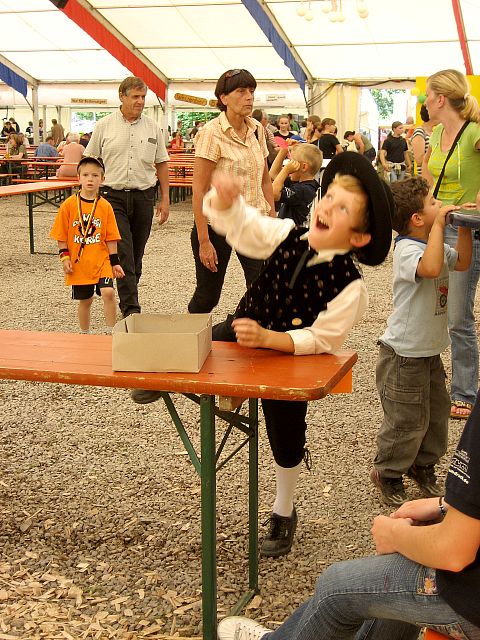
x,y
423,510
228,189
451,207
163,209
469,205
118,272
382,533
67,266
208,256
291,142
292,166
249,333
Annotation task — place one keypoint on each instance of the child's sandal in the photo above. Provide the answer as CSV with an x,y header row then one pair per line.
x,y
460,404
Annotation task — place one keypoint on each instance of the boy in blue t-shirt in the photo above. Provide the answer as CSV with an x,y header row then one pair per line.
x,y
410,376
294,185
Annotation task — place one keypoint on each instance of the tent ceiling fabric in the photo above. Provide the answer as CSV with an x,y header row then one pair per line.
x,y
191,40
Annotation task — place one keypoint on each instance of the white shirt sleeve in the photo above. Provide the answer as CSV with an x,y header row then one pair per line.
x,y
331,327
245,229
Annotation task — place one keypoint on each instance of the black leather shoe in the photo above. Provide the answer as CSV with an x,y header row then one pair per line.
x,y
279,539
145,396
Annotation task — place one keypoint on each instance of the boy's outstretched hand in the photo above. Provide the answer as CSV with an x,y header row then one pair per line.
x,y
228,189
249,333
118,272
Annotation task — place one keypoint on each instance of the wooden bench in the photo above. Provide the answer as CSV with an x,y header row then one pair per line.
x,y
229,370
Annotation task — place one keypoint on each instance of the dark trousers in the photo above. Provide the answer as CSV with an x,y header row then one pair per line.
x,y
284,419
209,285
134,214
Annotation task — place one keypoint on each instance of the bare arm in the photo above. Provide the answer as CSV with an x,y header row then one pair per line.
x,y
431,263
279,181
202,175
464,248
425,170
358,140
268,190
250,334
278,163
339,148
163,205
418,148
383,159
408,163
435,546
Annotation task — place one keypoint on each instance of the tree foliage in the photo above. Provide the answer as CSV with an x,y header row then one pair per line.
x,y
384,101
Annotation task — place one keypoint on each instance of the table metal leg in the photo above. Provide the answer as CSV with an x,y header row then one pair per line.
x,y
30,223
209,533
253,497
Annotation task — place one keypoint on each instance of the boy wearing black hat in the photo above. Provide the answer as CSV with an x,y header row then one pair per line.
x,y
87,235
410,375
308,296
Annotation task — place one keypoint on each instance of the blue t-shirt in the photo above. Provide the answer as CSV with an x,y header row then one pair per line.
x,y
417,326
46,150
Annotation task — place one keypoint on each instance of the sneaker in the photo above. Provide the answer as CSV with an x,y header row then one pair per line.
x,y
239,628
426,480
279,539
392,489
144,396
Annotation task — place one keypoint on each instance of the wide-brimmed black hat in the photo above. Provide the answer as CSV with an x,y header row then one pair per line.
x,y
380,205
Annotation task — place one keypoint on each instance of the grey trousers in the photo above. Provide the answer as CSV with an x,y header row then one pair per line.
x,y
416,410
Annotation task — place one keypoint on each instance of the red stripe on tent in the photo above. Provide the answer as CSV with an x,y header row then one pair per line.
x,y
110,43
462,37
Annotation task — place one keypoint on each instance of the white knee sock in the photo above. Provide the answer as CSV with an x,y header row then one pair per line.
x,y
286,482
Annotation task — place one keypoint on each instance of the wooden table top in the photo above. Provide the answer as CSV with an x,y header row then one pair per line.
x,y
32,187
230,370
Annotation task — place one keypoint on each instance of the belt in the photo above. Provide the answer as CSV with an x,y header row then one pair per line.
x,y
126,190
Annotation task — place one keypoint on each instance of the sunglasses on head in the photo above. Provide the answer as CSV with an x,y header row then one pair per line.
x,y
233,72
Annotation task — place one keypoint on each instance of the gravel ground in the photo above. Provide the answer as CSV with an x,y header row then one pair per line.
x,y
99,508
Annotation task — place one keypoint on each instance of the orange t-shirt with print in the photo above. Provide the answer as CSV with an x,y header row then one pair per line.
x,y
94,262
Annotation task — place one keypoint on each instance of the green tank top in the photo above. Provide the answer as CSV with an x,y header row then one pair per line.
x,y
461,181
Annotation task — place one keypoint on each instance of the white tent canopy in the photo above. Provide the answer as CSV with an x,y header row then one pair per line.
x,y
192,40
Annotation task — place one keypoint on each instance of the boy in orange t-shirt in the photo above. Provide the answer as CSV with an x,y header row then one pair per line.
x,y
87,235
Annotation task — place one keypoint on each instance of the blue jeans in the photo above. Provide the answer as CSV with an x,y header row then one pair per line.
x,y
380,598
461,322
396,176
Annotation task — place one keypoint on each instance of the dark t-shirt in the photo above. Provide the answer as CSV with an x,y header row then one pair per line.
x,y
295,200
395,148
327,143
462,491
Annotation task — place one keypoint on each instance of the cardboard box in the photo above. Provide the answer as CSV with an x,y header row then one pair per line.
x,y
156,342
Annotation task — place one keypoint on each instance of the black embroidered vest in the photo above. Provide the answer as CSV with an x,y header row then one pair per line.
x,y
289,295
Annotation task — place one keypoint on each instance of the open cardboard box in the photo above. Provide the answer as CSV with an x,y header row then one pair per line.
x,y
157,342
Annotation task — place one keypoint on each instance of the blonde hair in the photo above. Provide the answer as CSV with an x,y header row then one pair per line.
x,y
455,87
310,154
353,185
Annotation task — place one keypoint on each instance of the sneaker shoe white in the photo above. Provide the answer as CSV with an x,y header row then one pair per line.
x,y
240,628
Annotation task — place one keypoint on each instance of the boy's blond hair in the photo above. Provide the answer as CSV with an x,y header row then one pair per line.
x,y
310,154
353,185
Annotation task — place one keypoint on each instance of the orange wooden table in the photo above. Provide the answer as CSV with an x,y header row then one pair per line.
x,y
230,370
37,194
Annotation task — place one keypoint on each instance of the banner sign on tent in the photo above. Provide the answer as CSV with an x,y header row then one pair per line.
x,y
13,80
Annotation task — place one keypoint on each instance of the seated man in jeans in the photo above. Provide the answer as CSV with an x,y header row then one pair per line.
x,y
421,575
